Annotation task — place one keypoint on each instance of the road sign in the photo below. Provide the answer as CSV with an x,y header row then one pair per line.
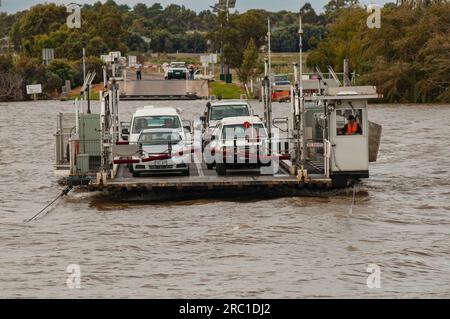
x,y
213,58
34,89
115,54
205,59
106,58
48,55
132,60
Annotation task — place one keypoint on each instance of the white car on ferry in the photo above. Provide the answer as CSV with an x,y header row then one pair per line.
x,y
162,151
219,110
150,117
238,143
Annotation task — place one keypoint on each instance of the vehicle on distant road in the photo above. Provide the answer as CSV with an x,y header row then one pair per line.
x,y
177,71
281,91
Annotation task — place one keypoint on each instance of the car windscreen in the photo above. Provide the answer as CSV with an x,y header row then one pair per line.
x,y
160,138
223,111
152,122
230,132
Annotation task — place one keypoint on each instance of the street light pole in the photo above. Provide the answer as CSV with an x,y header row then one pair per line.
x,y
84,64
269,46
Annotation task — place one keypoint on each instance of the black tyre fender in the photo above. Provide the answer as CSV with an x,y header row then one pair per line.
x,y
221,169
339,181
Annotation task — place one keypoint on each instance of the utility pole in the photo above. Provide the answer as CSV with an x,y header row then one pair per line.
x,y
269,47
301,116
267,98
84,64
300,39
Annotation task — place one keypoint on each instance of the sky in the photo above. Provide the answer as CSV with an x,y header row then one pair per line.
x,y
198,5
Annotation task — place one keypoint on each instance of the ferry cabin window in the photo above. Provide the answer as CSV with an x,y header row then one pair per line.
x,y
220,112
230,132
160,138
344,126
151,122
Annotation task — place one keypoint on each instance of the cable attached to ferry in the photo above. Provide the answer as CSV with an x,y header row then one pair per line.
x,y
63,193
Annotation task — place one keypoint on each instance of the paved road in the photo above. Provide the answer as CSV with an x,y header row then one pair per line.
x,y
153,86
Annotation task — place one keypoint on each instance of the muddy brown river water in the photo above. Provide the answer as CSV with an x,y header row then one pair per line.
x,y
278,248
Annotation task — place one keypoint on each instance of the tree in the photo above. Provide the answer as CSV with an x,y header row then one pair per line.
x,y
249,66
308,14
407,58
96,47
40,19
333,7
237,34
344,40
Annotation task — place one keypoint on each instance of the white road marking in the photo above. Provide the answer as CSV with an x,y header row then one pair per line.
x,y
199,169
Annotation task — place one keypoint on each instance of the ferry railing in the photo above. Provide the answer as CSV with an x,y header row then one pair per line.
x,y
64,129
62,158
85,156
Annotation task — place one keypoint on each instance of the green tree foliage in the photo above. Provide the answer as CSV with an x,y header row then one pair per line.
x,y
237,33
109,27
251,62
62,69
408,58
333,7
286,39
343,41
7,21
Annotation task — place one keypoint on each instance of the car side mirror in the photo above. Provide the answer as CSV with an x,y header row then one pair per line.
x,y
213,138
125,131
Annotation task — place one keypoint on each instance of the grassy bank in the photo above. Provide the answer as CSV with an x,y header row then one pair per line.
x,y
226,91
95,92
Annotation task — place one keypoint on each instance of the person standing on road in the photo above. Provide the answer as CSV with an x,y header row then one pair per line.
x,y
138,67
191,72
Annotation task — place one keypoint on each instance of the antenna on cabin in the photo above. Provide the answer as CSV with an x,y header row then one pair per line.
x,y
86,88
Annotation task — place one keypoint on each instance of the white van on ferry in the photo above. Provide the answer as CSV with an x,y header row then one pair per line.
x,y
150,117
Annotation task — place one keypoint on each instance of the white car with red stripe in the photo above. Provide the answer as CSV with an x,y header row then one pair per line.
x,y
238,143
162,151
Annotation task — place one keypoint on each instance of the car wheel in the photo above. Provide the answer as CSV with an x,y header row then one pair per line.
x,y
210,166
221,169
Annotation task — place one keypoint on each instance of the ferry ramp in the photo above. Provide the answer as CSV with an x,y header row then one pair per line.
x,y
153,86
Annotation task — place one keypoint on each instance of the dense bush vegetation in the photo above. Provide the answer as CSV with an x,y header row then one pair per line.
x,y
408,59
